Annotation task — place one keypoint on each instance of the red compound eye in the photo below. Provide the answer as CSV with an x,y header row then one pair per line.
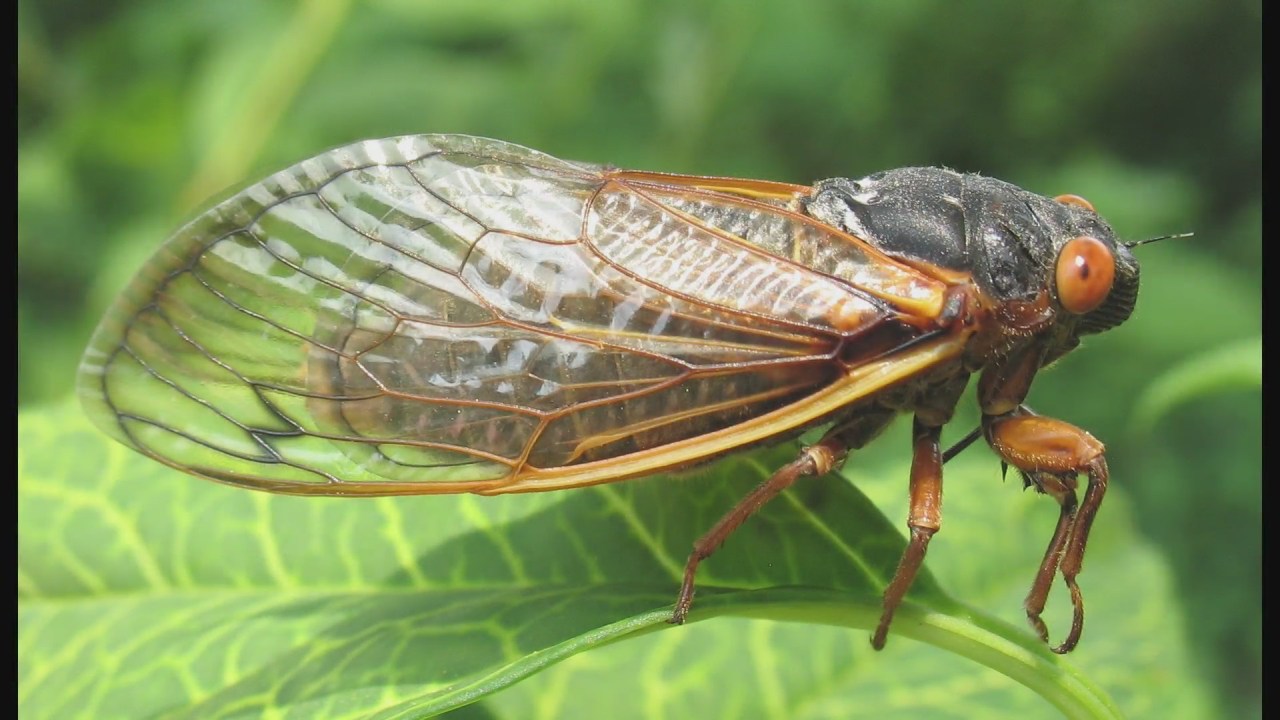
x,y
1075,200
1086,269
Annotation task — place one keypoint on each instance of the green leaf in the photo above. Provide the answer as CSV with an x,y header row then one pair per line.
x,y
1235,365
143,592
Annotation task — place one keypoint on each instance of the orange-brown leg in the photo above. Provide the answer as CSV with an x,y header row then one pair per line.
x,y
923,519
1062,489
817,460
1052,453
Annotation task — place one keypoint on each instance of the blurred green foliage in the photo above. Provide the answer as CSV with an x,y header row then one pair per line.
x,y
132,114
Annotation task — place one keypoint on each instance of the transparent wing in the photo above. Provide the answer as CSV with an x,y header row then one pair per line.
x,y
447,313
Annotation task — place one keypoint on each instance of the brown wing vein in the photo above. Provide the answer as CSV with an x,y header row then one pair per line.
x,y
754,250
258,434
805,331
583,236
602,439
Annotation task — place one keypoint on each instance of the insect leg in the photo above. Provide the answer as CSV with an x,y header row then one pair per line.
x,y
1062,489
923,519
816,460
1051,453
924,516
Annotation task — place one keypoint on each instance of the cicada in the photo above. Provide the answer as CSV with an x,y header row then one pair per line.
x,y
445,314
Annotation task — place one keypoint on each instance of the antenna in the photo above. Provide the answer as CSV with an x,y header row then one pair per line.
x,y
1136,243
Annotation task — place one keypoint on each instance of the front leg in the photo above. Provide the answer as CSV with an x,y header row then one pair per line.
x,y
1050,454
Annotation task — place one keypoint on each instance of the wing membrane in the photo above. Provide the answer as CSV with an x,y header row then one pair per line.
x,y
447,313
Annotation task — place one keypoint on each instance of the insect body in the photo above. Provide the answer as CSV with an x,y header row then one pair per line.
x,y
440,314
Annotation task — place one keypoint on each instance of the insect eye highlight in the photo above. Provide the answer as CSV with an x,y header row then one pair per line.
x,y
1084,274
1075,200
